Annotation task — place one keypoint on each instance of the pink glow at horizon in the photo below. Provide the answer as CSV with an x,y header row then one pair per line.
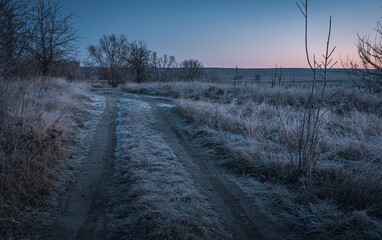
x,y
226,33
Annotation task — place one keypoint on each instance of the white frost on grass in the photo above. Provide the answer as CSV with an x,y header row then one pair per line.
x,y
261,175
128,101
158,98
94,109
153,195
130,95
164,105
90,117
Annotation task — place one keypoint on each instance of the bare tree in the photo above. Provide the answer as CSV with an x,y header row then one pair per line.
x,y
53,38
310,122
367,73
162,67
191,69
237,77
215,76
277,76
166,67
155,65
257,77
139,61
110,57
14,36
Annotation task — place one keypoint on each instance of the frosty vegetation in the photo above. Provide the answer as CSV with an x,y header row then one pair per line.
x,y
308,154
340,199
39,121
154,197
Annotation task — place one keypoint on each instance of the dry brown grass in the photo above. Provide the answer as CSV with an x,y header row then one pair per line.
x,y
37,122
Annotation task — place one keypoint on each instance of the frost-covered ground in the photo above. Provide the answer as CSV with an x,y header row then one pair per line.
x,y
88,119
91,116
153,196
45,152
324,207
241,128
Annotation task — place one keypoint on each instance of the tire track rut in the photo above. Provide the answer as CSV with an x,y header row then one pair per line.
x,y
237,212
83,215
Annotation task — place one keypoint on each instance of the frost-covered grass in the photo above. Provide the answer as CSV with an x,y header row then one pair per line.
x,y
39,121
354,136
348,175
339,98
154,196
342,199
346,186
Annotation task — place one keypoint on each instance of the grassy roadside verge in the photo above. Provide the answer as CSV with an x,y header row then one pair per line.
x,y
39,122
340,201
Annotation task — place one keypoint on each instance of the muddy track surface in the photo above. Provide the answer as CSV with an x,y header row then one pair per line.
x,y
83,215
236,211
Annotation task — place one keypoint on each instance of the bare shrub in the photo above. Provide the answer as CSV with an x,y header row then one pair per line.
x,y
367,73
67,70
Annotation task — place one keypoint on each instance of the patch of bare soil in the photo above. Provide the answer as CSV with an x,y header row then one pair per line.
x,y
84,204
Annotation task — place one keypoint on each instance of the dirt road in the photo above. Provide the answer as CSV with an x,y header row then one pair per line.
x,y
236,211
84,203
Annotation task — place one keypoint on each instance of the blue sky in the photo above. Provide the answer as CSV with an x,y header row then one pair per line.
x,y
226,33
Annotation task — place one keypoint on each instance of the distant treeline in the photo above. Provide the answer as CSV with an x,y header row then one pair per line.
x,y
212,74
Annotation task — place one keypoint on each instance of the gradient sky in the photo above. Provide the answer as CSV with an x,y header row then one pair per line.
x,y
226,33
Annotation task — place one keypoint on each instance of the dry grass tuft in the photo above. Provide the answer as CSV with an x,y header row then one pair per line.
x,y
37,121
